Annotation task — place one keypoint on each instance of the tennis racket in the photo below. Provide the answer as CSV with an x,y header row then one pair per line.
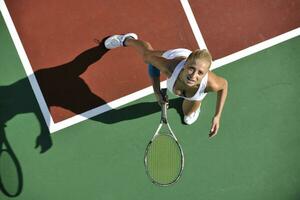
x,y
11,180
164,158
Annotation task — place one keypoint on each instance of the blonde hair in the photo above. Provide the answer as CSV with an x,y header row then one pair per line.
x,y
200,54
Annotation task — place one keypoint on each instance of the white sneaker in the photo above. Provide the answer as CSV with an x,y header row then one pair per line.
x,y
115,41
192,117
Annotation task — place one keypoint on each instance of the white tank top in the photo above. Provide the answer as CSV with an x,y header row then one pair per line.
x,y
200,94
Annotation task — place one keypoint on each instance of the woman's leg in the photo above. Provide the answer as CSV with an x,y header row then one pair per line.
x,y
188,107
131,39
142,47
191,110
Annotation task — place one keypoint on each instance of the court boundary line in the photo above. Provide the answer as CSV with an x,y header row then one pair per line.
x,y
237,55
54,127
255,48
104,108
26,64
193,23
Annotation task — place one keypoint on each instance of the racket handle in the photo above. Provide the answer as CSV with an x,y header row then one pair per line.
x,y
164,108
164,95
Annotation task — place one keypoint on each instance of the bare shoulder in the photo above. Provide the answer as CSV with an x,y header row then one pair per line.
x,y
215,82
173,64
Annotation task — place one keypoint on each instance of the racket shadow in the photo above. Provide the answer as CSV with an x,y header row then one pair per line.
x,y
16,99
11,177
137,111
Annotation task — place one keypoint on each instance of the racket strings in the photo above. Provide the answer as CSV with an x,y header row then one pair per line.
x,y
164,159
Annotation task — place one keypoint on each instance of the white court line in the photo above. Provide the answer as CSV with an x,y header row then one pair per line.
x,y
104,108
193,23
240,54
53,127
26,64
255,48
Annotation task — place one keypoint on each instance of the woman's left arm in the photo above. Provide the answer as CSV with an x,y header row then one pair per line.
x,y
220,85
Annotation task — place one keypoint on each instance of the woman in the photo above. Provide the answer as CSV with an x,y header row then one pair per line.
x,y
188,75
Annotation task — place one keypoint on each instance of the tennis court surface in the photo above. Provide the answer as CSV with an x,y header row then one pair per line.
x,y
77,118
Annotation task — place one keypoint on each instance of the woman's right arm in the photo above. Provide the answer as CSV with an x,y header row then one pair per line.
x,y
154,74
166,66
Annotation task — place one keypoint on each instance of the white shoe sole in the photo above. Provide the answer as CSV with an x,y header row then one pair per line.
x,y
115,41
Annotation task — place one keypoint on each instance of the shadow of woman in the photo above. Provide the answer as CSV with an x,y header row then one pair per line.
x,y
15,99
61,86
138,110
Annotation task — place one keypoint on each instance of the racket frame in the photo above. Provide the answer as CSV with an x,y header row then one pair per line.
x,y
164,122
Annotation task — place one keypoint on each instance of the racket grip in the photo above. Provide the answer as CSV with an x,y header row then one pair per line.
x,y
164,108
164,95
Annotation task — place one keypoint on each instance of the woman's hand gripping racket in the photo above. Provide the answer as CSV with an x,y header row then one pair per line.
x,y
164,158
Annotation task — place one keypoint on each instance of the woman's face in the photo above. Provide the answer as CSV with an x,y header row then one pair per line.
x,y
194,71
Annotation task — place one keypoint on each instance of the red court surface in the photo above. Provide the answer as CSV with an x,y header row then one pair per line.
x,y
55,33
232,25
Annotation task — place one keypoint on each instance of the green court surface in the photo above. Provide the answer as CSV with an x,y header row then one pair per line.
x,y
254,156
